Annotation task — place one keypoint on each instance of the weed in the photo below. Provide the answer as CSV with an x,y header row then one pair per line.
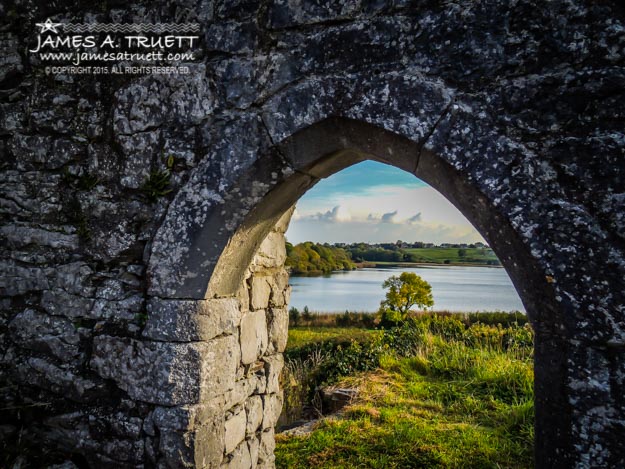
x,y
157,185
141,319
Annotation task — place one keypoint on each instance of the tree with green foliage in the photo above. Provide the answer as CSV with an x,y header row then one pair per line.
x,y
315,259
404,292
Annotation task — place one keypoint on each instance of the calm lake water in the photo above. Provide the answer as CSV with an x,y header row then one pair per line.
x,y
454,288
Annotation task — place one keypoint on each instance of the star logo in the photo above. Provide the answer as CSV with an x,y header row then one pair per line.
x,y
48,26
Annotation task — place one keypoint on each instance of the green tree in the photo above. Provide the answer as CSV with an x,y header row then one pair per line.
x,y
462,252
404,292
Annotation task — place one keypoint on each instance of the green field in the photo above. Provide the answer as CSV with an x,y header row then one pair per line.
x,y
438,392
454,256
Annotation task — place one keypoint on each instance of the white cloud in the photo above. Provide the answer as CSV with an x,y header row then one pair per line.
x,y
382,214
337,214
378,200
390,217
413,220
377,232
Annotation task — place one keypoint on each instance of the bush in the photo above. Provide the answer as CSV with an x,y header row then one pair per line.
x,y
294,316
497,317
306,314
348,319
448,327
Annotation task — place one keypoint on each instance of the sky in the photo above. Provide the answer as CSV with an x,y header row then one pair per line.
x,y
376,203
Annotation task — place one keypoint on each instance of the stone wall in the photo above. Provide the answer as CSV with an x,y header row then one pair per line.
x,y
126,336
198,386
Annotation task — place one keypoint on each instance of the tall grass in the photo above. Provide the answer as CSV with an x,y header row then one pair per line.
x,y
368,319
439,391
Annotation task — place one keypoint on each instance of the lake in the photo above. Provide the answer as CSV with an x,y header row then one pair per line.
x,y
454,288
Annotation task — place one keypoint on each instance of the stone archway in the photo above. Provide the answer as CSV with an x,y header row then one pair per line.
x,y
275,183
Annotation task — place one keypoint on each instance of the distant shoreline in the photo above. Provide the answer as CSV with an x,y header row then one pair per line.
x,y
380,264
427,264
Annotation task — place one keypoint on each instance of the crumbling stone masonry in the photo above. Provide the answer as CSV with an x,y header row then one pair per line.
x,y
144,328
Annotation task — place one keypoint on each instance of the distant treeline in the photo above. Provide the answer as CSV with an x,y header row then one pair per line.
x,y
314,259
446,253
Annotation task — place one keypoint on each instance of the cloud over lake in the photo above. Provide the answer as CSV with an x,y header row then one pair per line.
x,y
372,202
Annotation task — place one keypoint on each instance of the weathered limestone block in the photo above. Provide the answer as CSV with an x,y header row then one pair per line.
x,y
61,303
266,458
254,409
272,405
162,373
219,364
254,446
187,417
74,278
103,161
178,450
254,338
235,428
283,223
280,289
191,320
271,253
260,292
85,433
243,388
193,433
240,458
243,295
140,152
155,101
278,329
45,375
233,36
32,151
114,238
285,14
111,289
49,334
125,309
17,280
167,373
273,368
18,236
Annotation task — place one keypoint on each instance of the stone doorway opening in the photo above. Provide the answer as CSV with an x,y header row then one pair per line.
x,y
240,261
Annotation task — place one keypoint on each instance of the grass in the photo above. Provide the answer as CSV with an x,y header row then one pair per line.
x,y
303,336
440,255
459,395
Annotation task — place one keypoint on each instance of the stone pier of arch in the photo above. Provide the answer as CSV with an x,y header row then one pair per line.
x,y
140,331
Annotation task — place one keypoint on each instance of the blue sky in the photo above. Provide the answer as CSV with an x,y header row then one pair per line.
x,y
373,202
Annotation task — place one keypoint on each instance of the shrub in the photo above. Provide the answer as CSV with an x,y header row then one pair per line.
x,y
294,316
306,314
448,327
